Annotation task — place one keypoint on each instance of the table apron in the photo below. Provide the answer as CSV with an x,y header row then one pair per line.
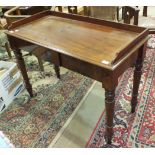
x,y
85,68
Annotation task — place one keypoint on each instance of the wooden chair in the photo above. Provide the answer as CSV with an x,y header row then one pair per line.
x,y
3,38
131,16
15,14
103,12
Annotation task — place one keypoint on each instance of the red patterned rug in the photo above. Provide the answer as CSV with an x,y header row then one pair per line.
x,y
131,130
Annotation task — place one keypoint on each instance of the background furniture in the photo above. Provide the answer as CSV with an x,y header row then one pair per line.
x,y
131,16
3,39
4,42
145,11
25,10
103,12
20,12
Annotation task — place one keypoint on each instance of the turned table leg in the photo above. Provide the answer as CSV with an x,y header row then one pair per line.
x,y
109,106
21,65
55,59
40,63
137,77
57,70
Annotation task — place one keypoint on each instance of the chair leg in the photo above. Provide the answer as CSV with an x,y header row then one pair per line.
x,y
117,13
40,64
8,49
145,11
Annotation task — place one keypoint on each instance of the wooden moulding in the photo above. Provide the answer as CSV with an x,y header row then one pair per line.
x,y
141,34
92,20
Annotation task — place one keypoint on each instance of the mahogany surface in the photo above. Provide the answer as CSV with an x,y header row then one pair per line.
x,y
96,48
65,37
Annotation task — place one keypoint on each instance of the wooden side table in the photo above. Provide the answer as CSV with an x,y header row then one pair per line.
x,y
99,49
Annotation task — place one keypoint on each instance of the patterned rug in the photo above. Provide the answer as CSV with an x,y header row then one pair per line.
x,y
34,122
151,41
131,130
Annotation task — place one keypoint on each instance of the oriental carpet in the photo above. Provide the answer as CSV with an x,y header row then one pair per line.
x,y
137,129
